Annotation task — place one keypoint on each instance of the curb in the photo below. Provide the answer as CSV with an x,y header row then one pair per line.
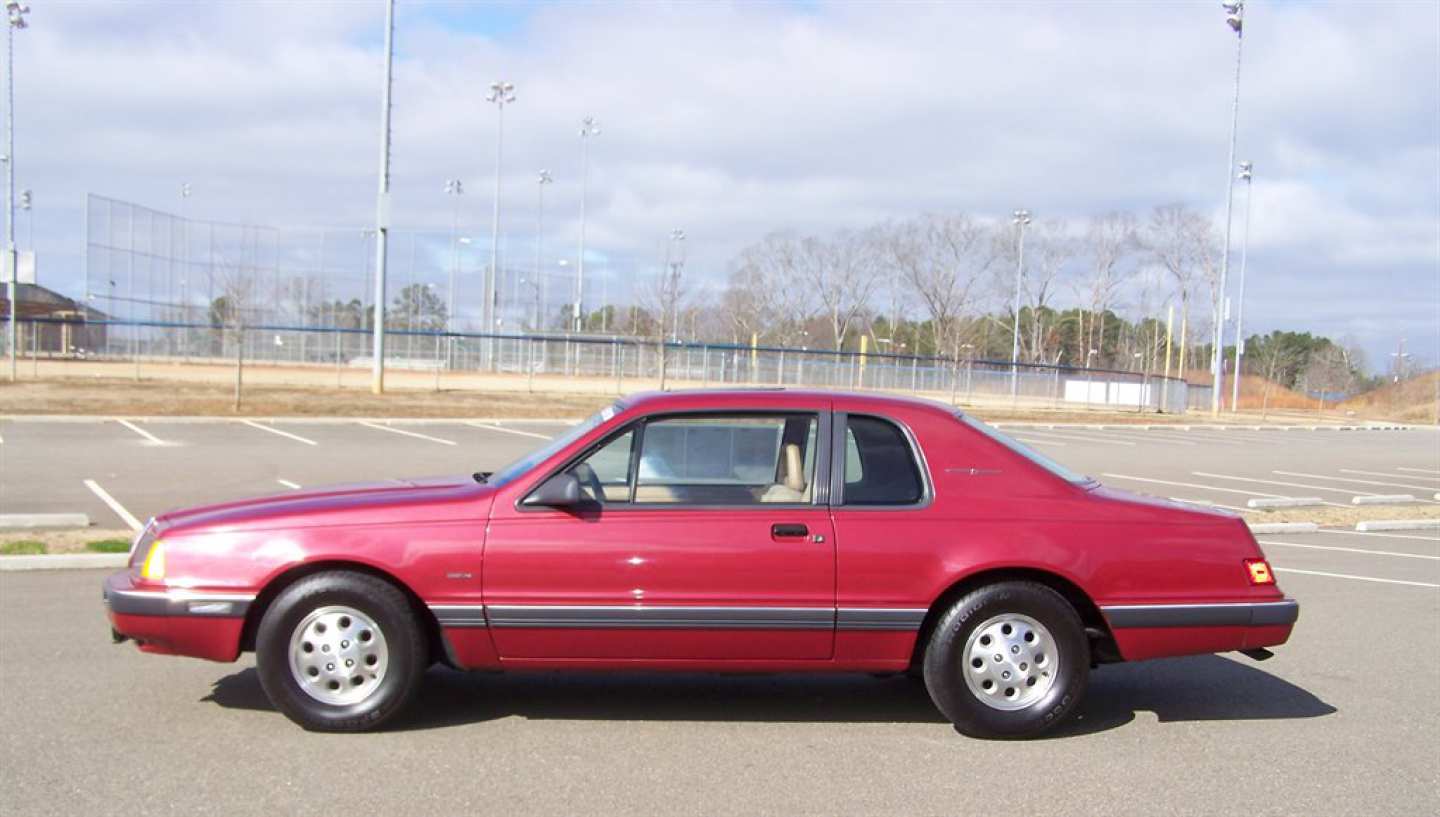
x,y
43,520
1284,527
1285,502
64,561
1384,499
1398,524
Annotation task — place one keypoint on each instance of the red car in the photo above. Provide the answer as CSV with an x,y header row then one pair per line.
x,y
751,531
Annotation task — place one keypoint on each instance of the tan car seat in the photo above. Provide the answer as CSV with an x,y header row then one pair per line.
x,y
792,487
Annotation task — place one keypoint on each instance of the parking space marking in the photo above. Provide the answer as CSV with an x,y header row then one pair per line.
x,y
1417,470
1149,437
254,424
1349,491
490,427
1227,439
114,504
1356,481
1351,550
142,432
1040,442
1356,578
1384,474
1391,484
1193,485
1208,504
1378,533
1083,439
414,434
294,486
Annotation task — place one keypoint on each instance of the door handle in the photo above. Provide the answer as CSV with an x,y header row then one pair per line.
x,y
789,530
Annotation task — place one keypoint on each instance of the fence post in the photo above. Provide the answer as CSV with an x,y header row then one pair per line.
x,y
704,366
437,363
339,355
35,349
1055,390
800,370
530,365
915,374
620,368
780,372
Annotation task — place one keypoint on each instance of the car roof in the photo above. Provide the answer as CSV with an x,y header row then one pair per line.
x,y
780,398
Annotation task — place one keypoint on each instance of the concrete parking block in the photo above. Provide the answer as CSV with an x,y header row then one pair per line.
x,y
1384,499
1284,527
1398,524
1286,502
44,520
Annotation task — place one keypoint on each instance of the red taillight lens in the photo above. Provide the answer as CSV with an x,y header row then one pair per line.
x,y
1259,571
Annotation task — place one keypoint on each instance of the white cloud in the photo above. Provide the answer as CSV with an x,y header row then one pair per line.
x,y
736,120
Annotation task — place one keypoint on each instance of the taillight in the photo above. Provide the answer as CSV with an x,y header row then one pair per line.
x,y
1259,571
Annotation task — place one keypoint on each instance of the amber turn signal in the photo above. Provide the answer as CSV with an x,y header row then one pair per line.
x,y
1259,571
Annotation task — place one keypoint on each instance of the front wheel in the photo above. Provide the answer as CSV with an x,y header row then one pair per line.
x,y
1008,660
340,652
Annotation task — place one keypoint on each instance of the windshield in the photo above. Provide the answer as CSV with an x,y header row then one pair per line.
x,y
1026,451
543,453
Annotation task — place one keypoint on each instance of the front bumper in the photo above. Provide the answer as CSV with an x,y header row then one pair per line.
x,y
174,621
1158,630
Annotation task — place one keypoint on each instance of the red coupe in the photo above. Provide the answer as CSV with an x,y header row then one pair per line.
x,y
750,531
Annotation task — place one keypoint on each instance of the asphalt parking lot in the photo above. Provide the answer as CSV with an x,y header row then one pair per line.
x,y
1344,720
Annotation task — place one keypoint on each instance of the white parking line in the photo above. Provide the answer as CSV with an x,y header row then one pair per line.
x,y
1082,438
1356,481
489,427
1356,578
254,424
1384,474
407,433
1418,470
1149,437
142,432
1207,504
1349,491
1040,442
1435,539
1392,484
1191,485
125,516
1351,550
294,486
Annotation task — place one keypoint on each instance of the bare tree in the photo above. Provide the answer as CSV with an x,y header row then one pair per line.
x,y
1048,249
942,258
1109,242
1170,241
842,273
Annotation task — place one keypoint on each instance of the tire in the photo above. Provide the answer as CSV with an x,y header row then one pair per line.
x,y
340,652
1036,661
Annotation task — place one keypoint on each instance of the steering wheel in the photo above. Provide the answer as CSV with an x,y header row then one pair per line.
x,y
590,480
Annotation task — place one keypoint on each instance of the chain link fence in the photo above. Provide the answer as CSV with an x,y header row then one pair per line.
x,y
592,363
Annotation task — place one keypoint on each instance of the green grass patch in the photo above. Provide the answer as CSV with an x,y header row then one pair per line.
x,y
24,547
108,546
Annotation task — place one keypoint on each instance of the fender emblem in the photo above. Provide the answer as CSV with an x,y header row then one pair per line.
x,y
458,575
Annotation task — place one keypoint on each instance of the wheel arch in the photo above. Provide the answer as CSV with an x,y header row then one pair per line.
x,y
280,582
1103,645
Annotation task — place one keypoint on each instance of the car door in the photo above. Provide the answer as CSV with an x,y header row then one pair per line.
x,y
700,536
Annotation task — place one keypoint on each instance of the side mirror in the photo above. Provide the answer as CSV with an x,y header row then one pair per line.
x,y
559,491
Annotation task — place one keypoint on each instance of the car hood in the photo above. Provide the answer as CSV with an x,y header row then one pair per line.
x,y
395,500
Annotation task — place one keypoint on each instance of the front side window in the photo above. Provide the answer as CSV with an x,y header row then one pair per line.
x,y
604,476
880,468
727,460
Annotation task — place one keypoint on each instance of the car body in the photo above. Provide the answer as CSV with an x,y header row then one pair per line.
x,y
747,530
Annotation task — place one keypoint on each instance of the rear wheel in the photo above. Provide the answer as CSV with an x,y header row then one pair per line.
x,y
1008,660
340,652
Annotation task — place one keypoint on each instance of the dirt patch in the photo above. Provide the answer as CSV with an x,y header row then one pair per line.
x,y
1331,517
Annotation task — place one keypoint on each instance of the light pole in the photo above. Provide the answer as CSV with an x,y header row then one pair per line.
x,y
540,181
1246,172
185,262
382,211
675,265
589,127
455,189
16,13
1235,18
1020,219
501,93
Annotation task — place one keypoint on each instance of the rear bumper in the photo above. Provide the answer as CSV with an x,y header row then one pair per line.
x,y
175,622
1158,630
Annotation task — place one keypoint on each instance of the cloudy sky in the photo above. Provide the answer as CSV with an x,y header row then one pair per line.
x,y
734,120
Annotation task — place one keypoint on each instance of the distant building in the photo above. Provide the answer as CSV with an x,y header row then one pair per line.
x,y
53,324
